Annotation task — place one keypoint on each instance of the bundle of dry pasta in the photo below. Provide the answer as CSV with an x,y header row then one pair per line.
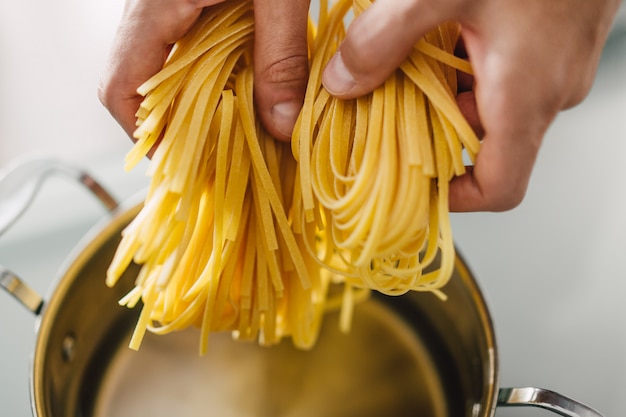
x,y
213,237
380,165
236,234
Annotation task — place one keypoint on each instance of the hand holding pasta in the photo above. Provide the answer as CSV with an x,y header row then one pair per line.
x,y
531,59
149,28
244,233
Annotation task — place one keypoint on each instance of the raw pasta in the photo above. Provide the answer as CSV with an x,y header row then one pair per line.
x,y
380,165
246,234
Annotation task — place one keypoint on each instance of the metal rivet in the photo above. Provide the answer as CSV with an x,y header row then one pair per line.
x,y
476,410
68,348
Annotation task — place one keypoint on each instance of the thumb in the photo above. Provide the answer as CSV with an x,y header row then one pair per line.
x,y
280,63
378,41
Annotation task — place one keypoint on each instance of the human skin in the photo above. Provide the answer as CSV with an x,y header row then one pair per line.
x,y
148,29
531,59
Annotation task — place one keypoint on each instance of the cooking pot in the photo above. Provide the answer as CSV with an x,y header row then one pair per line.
x,y
404,356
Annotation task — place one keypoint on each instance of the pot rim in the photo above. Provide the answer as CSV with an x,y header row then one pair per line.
x,y
82,252
100,233
492,368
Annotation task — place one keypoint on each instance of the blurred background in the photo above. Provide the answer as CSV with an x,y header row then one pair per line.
x,y
551,269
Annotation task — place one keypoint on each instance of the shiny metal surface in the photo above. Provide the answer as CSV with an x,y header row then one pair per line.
x,y
20,290
381,369
546,399
404,355
20,182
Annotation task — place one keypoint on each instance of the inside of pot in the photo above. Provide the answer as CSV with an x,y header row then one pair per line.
x,y
381,368
405,356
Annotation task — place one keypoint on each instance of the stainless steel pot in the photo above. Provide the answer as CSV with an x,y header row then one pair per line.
x,y
405,356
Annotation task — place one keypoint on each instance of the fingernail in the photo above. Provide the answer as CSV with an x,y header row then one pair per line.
x,y
284,116
336,78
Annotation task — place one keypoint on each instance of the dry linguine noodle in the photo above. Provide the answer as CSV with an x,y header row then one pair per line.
x,y
242,233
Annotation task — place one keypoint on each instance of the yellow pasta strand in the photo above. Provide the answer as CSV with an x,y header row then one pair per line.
x,y
385,187
241,233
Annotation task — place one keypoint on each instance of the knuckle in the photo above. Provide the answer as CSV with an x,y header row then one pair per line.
x,y
505,200
109,92
105,94
579,93
569,88
292,70
509,202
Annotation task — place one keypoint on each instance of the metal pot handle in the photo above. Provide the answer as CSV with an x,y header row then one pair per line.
x,y
19,185
546,399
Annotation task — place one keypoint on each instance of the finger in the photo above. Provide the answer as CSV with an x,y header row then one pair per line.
x,y
500,176
280,63
140,46
497,182
467,105
377,42
465,81
514,110
133,60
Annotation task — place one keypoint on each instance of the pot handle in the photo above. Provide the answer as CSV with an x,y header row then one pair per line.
x,y
19,185
17,288
546,399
